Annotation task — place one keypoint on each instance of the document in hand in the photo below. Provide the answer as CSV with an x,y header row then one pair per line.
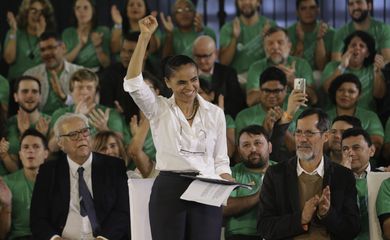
x,y
209,191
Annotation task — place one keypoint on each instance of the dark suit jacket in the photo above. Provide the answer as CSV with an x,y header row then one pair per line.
x,y
280,213
225,82
51,196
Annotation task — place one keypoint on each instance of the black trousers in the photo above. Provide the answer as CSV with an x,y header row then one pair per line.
x,y
174,219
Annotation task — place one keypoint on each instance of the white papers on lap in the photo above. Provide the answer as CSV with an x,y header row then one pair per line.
x,y
208,193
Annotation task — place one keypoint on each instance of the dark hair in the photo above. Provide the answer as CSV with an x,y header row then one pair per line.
x,y
153,79
132,37
253,130
339,80
238,10
354,132
273,74
275,29
48,35
35,133
354,121
126,26
173,63
205,85
73,20
20,79
298,2
368,40
323,120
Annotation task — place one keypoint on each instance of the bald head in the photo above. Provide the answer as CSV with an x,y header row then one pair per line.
x,y
204,52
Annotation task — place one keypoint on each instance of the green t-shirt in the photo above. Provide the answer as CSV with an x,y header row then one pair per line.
x,y
361,187
387,131
229,122
3,170
4,91
115,123
378,30
183,41
370,120
256,115
21,190
302,70
310,42
27,53
245,224
383,198
87,56
249,48
53,102
365,75
13,134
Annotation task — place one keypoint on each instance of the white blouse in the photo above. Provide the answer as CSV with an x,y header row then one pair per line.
x,y
180,147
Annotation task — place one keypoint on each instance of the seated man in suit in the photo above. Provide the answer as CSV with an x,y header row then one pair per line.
x,y
97,205
308,196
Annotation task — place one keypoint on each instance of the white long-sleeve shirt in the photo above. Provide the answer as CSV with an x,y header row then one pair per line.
x,y
180,147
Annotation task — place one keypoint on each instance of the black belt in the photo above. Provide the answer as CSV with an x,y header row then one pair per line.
x,y
178,174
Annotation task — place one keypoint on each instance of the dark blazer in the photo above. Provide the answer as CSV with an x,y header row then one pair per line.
x,y
51,196
280,213
225,82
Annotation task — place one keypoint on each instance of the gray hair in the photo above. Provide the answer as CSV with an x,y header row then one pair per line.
x,y
64,118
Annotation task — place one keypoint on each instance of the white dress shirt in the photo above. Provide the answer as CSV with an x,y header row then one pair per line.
x,y
319,170
180,147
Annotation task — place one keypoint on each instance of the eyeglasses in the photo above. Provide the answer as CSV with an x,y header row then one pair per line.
x,y
49,48
201,56
272,91
182,10
197,147
307,133
85,132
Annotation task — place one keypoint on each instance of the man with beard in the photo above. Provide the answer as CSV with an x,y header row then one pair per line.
x,y
15,194
241,40
339,125
359,10
53,73
254,148
27,94
277,48
357,150
308,196
311,39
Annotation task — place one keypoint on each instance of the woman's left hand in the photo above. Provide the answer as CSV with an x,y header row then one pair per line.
x,y
227,176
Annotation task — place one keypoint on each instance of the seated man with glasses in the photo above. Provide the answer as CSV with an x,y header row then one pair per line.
x,y
82,195
222,78
308,196
272,106
54,73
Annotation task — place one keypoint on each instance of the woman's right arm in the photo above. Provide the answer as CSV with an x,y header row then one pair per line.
x,y
10,47
147,26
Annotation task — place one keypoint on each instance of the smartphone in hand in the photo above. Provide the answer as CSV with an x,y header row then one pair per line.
x,y
300,84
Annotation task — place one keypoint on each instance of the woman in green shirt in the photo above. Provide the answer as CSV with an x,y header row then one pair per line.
x,y
87,44
21,50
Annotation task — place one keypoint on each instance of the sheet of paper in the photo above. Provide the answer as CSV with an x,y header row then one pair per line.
x,y
208,193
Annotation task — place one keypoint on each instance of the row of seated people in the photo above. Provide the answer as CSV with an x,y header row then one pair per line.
x,y
246,211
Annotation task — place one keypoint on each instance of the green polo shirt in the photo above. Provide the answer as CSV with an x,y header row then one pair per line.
x,y
383,198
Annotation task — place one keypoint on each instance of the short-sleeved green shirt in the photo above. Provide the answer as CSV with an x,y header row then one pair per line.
x,y
378,30
27,53
366,77
256,115
387,131
229,122
53,101
4,91
370,120
87,56
116,121
302,70
383,198
310,42
13,134
245,224
361,187
21,189
183,41
249,48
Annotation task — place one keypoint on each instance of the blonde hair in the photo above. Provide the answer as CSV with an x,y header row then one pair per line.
x,y
100,140
47,11
84,75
